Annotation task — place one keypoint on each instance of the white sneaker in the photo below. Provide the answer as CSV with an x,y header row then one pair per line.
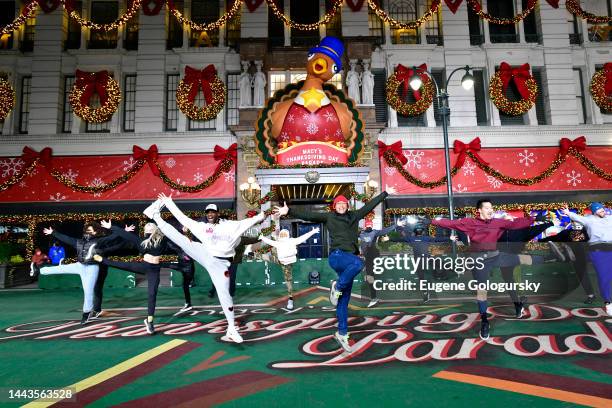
x,y
290,304
32,269
232,335
149,326
186,308
334,294
373,302
609,309
153,209
90,253
343,341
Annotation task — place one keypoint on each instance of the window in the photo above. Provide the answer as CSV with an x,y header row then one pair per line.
x,y
103,12
204,12
540,103
7,15
573,28
530,26
73,30
24,105
475,25
375,24
404,10
277,81
336,81
171,120
103,127
502,33
410,121
304,12
232,116
513,95
174,37
380,98
29,30
440,77
480,96
67,107
334,27
129,103
130,42
433,27
580,99
232,28
276,28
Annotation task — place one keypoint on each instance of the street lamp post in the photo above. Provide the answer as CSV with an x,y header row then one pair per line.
x,y
441,93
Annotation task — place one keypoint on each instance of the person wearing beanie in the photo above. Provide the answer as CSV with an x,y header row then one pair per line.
x,y
343,227
286,252
599,229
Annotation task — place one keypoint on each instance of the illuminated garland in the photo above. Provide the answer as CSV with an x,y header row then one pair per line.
x,y
28,12
210,111
7,98
310,166
131,12
224,167
435,7
497,95
598,90
405,108
96,115
573,6
477,7
305,27
205,27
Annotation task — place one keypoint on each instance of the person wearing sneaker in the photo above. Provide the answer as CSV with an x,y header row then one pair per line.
x,y
599,228
367,246
38,260
286,252
484,232
343,228
185,265
218,240
236,260
85,266
102,274
152,246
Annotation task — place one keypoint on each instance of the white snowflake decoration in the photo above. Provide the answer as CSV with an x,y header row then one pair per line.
x,y
170,162
573,178
312,128
431,163
290,118
97,182
57,197
390,171
495,183
128,164
11,167
414,158
22,184
178,192
198,177
305,116
338,133
468,168
423,175
526,157
71,175
230,176
329,117
460,188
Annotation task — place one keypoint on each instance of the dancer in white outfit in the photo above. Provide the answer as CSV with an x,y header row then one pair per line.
x,y
214,251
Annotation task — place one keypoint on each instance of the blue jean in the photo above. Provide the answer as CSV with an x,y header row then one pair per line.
x,y
347,266
602,261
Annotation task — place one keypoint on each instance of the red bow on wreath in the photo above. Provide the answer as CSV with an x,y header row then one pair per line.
x,y
565,144
48,6
253,5
461,149
520,76
553,3
45,155
69,5
404,75
453,5
92,82
395,148
229,153
149,155
197,79
152,11
608,73
355,5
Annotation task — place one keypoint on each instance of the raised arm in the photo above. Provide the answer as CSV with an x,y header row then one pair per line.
x,y
268,241
387,230
304,237
517,223
244,225
124,235
308,215
370,205
459,225
178,214
578,218
65,239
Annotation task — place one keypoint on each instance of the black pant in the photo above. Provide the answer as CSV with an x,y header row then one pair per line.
x,y
233,269
145,268
99,287
369,266
188,272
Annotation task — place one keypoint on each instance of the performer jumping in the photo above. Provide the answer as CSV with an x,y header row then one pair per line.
x,y
85,267
214,251
343,228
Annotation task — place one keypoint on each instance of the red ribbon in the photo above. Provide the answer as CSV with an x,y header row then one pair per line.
x,y
553,3
608,72
565,144
355,5
229,153
520,76
461,149
44,157
92,82
253,5
149,155
453,5
157,5
404,74
396,148
48,6
197,79
69,6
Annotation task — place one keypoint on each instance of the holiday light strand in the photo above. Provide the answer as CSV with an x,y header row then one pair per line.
x,y
394,162
598,91
210,26
208,112
477,7
305,27
514,108
96,115
435,7
28,12
131,12
7,98
16,178
409,109
225,166
573,6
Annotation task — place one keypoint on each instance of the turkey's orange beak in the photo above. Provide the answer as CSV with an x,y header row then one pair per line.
x,y
319,66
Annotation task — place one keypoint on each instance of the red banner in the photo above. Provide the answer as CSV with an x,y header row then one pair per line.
x,y
187,169
311,153
428,165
